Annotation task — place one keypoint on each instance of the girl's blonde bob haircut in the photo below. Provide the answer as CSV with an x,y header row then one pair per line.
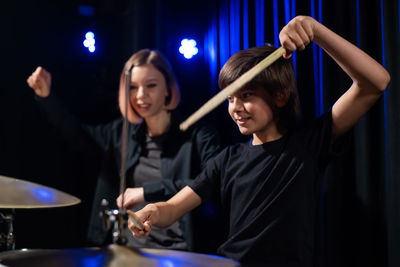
x,y
155,58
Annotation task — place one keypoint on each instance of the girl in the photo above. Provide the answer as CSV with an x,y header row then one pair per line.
x,y
160,159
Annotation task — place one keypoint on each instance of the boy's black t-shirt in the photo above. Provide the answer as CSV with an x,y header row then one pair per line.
x,y
269,194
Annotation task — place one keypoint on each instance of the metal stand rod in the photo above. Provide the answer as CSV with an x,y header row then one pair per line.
x,y
7,240
116,220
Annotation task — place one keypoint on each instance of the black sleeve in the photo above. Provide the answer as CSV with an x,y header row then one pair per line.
x,y
206,145
81,137
208,183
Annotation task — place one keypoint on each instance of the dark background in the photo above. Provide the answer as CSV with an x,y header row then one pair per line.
x,y
359,215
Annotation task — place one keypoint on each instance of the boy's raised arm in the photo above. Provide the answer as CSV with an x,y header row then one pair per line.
x,y
369,77
163,214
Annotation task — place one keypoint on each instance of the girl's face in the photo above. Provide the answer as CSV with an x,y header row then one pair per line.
x,y
148,91
250,110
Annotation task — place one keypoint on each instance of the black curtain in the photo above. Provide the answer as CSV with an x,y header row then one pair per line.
x,y
358,218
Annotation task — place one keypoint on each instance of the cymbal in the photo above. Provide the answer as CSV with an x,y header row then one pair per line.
x,y
184,258
111,256
20,194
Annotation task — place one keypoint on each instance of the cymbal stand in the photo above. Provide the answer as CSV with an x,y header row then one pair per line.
x,y
116,220
7,240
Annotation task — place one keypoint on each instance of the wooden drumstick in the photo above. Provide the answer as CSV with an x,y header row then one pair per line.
x,y
231,89
135,220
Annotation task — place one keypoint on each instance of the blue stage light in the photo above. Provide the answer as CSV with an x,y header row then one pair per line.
x,y
89,35
89,42
188,48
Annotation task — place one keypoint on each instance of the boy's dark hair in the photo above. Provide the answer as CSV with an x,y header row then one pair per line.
x,y
278,79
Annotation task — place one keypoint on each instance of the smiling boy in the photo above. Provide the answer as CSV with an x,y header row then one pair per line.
x,y
269,186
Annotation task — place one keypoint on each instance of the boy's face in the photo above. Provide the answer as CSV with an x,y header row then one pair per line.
x,y
250,110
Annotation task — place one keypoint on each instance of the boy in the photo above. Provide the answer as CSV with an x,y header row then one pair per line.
x,y
269,186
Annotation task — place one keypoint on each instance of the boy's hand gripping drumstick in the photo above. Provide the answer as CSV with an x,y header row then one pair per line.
x,y
135,220
231,89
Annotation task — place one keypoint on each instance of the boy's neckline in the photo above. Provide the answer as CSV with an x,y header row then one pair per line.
x,y
268,143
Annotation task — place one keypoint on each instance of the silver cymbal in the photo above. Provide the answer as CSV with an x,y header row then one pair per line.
x,y
111,256
20,194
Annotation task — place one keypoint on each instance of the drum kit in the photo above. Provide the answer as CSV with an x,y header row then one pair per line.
x,y
20,194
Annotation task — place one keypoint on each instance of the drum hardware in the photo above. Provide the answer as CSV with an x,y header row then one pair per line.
x,y
20,194
7,239
116,220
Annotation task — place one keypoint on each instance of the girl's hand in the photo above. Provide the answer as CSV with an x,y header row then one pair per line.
x,y
40,82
